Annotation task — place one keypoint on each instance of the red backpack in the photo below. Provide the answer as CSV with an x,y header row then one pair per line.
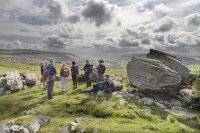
x,y
64,72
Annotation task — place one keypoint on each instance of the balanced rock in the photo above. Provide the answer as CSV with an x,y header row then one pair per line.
x,y
174,63
152,76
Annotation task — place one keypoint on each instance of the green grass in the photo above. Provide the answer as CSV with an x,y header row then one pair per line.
x,y
65,107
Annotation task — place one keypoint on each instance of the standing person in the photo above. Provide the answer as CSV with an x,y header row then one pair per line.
x,y
100,71
43,66
64,73
49,76
88,70
74,72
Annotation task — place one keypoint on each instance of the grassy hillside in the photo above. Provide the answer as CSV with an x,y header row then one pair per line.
x,y
117,118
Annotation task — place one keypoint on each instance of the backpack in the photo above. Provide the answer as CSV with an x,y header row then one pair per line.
x,y
46,75
89,69
52,70
75,70
102,69
64,72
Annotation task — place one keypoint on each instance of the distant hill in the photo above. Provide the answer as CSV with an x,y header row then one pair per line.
x,y
36,54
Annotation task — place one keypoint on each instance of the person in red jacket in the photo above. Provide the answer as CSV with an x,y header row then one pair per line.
x,y
64,74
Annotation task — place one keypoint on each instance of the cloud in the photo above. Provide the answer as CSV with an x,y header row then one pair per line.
x,y
159,38
145,41
99,11
161,10
55,42
74,18
128,43
17,44
193,19
56,9
165,25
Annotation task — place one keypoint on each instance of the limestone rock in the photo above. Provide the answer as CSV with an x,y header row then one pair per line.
x,y
75,123
152,76
174,63
148,101
14,81
30,79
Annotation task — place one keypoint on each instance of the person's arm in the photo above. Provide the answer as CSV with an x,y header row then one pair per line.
x,y
61,72
84,68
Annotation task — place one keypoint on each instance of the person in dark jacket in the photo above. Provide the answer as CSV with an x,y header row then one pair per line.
x,y
50,78
74,74
88,70
101,71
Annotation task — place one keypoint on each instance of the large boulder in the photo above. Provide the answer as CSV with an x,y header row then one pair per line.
x,y
14,81
174,63
152,76
30,79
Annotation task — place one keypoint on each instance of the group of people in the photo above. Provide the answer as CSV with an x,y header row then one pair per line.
x,y
48,72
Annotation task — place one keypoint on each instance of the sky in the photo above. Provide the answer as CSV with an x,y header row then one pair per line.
x,y
101,27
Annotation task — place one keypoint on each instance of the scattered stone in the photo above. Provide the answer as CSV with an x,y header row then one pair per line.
x,y
133,106
122,101
35,125
16,129
4,128
72,126
170,119
101,93
148,101
147,112
2,90
160,105
106,105
28,112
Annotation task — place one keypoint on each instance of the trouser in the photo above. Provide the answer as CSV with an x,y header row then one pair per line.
x,y
64,83
100,77
88,79
50,85
74,79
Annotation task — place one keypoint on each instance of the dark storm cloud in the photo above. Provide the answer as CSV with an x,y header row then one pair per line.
x,y
98,11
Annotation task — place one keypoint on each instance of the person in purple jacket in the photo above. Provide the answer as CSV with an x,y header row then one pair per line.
x,y
100,71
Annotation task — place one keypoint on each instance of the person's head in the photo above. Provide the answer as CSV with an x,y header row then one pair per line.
x,y
63,66
73,63
41,64
107,76
100,61
87,61
51,61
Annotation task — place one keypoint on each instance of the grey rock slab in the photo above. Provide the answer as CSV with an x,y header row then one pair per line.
x,y
151,76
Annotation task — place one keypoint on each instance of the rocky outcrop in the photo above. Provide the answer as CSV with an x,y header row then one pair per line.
x,y
15,81
152,76
174,63
33,127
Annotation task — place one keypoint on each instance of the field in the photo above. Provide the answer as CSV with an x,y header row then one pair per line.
x,y
65,107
